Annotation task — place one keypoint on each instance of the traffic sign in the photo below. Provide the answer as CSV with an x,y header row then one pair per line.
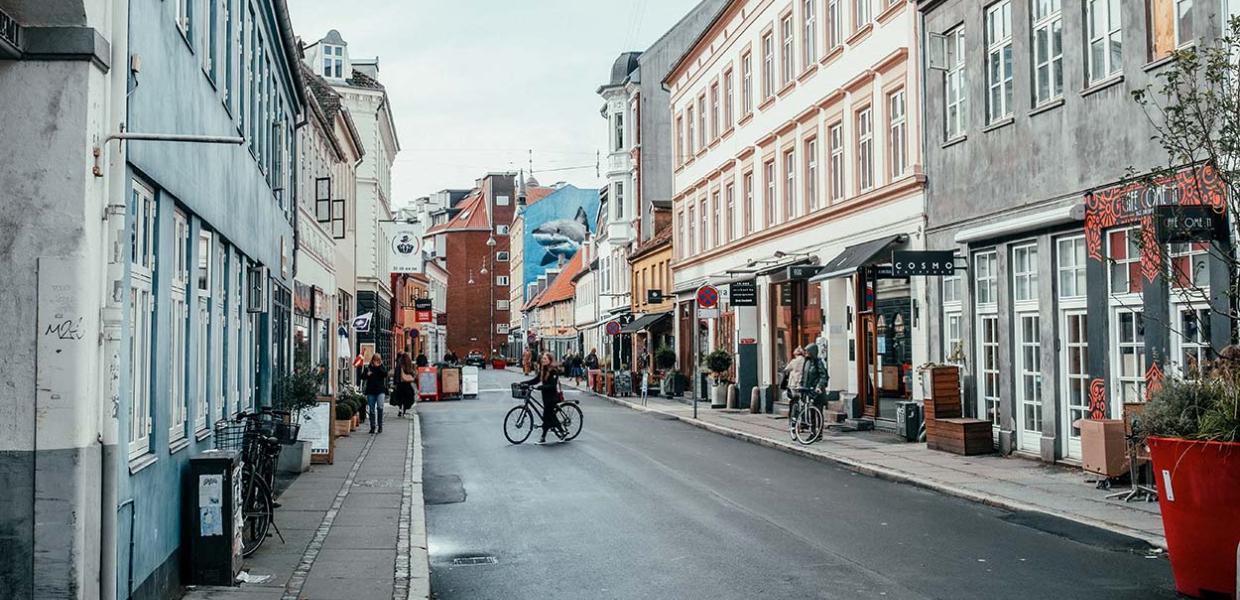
x,y
708,313
613,328
707,296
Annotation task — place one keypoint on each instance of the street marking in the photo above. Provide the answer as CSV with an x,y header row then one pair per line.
x,y
292,590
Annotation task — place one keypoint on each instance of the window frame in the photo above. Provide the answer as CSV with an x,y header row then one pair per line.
x,y
863,119
789,192
768,64
143,264
897,133
1052,24
1025,272
768,199
955,86
747,83
1074,268
999,92
787,52
835,135
1107,39
810,155
809,35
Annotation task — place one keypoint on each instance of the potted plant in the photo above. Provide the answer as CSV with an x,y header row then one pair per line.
x,y
344,418
718,362
665,361
1192,429
299,391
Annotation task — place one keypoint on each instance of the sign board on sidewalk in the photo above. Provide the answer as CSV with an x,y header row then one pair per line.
x,y
932,263
316,428
743,293
707,296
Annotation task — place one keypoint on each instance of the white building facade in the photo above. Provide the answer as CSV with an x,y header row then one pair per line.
x,y
793,130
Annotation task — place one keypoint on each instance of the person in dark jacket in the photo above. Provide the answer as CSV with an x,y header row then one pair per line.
x,y
404,380
420,361
450,358
375,375
591,361
547,380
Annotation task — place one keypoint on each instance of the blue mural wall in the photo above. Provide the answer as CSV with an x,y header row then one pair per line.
x,y
555,228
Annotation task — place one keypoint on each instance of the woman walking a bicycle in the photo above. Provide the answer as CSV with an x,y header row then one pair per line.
x,y
547,380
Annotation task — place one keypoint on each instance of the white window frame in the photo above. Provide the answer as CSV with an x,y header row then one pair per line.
x,y
1128,265
502,256
811,174
729,99
835,23
203,365
751,207
142,313
1070,257
1029,388
501,230
502,304
768,64
704,215
769,204
714,111
1104,40
985,278
1074,333
999,61
861,14
501,280
1024,270
809,37
955,88
865,149
787,42
1190,336
988,372
1047,58
791,208
897,133
835,133
184,16
729,194
747,83
178,338
1128,387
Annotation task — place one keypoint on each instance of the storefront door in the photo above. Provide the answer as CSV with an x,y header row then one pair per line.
x,y
867,365
1029,382
1075,368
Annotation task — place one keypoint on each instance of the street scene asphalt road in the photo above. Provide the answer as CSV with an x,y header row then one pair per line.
x,y
640,506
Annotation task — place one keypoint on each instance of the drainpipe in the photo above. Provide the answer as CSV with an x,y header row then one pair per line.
x,y
113,303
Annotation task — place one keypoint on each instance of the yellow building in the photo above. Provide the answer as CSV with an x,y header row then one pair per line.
x,y
650,265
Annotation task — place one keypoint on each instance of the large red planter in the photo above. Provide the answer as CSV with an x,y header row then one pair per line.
x,y
1199,495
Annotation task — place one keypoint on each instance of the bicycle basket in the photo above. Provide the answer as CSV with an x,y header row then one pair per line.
x,y
229,435
520,391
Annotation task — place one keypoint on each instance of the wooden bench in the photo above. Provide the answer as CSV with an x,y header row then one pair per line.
x,y
968,437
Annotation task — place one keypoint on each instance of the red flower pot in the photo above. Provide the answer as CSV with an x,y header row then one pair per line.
x,y
1199,496
499,363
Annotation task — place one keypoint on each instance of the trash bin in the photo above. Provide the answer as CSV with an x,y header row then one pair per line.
x,y
908,420
214,518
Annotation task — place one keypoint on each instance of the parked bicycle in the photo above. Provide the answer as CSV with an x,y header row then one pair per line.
x,y
520,420
258,437
805,417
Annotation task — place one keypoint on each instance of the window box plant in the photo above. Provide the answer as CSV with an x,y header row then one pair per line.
x,y
1193,431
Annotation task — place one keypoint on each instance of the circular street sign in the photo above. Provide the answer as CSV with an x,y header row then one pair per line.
x,y
707,296
613,328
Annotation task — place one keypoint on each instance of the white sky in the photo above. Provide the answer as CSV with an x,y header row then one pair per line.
x,y
475,83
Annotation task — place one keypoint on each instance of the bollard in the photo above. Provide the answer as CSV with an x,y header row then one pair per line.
x,y
731,402
755,400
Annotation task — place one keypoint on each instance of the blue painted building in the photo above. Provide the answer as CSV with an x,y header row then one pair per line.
x,y
554,229
207,310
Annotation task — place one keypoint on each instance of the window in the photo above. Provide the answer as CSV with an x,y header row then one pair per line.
x,y
715,222
1170,26
769,198
955,89
501,257
1047,50
705,241
1071,264
729,194
680,140
185,16
1106,45
333,61
691,246
142,312
501,280
1129,367
790,185
683,245
729,115
751,211
1124,260
768,65
179,316
985,267
202,330
619,133
501,230
999,60
835,21
501,305
897,136
836,167
811,173
953,345
1076,368
951,289
809,36
786,58
747,83
689,138
714,111
1190,265
1029,378
1025,273
213,34
988,368
502,328
865,149
861,13
1193,336
702,123
619,201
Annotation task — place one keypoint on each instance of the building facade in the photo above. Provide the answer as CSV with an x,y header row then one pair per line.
x,y
795,175
1063,313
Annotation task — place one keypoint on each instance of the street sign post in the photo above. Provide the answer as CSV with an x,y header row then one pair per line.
x,y
707,296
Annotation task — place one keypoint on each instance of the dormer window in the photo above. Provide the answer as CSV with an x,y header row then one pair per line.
x,y
333,61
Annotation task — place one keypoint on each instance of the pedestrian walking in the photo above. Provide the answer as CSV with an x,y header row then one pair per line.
x,y
547,380
794,372
527,360
420,361
592,360
450,357
375,375
405,381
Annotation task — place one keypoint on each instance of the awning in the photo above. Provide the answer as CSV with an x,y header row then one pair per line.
x,y
645,322
856,256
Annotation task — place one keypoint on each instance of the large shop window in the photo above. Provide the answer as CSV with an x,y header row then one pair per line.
x,y
797,319
1124,260
1190,267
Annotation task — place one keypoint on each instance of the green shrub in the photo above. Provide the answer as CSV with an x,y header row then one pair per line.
x,y
718,362
1207,409
344,411
664,358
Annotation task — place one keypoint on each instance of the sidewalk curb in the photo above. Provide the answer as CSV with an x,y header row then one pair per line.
x,y
420,567
892,475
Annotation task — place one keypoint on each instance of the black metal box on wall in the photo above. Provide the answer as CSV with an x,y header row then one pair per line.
x,y
213,518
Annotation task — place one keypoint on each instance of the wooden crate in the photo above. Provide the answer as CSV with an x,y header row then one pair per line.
x,y
960,436
944,399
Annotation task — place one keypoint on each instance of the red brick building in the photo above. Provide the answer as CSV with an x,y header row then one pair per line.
x,y
473,246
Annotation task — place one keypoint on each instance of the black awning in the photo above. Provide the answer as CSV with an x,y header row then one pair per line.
x,y
645,322
856,256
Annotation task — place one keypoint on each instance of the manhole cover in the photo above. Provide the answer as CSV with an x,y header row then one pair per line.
x,y
465,561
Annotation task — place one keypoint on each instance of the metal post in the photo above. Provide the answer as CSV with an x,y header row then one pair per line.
x,y
697,340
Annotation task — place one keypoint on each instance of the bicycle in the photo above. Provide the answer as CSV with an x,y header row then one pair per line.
x,y
258,437
519,422
805,418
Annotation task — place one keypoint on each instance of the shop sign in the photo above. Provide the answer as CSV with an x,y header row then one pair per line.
x,y
707,296
654,296
743,293
422,310
803,271
748,341
1189,224
885,272
932,263
785,294
404,253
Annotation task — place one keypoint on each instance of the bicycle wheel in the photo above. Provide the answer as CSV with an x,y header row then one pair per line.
x,y
518,424
808,425
793,413
256,512
570,420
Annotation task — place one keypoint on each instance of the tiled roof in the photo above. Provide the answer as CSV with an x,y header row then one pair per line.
x,y
535,193
562,288
661,238
362,80
472,216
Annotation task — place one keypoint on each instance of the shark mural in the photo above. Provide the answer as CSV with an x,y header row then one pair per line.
x,y
555,227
